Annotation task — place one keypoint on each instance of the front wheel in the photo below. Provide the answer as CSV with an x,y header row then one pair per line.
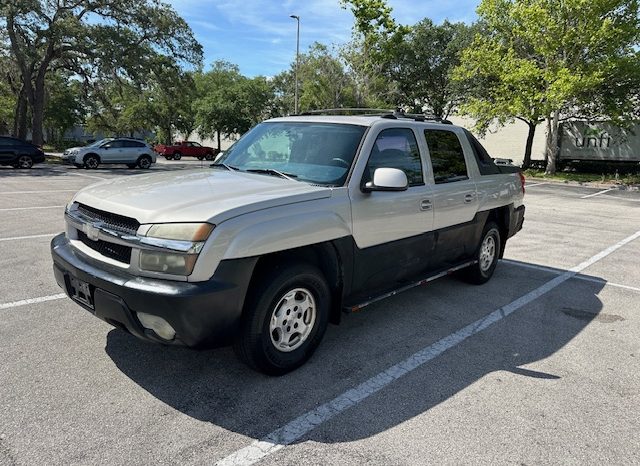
x,y
209,156
91,162
487,256
284,319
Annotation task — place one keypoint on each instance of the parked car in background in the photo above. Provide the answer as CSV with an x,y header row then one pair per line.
x,y
186,148
131,152
19,153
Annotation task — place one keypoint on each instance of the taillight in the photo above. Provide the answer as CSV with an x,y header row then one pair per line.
x,y
522,179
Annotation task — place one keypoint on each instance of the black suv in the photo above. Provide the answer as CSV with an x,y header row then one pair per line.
x,y
18,153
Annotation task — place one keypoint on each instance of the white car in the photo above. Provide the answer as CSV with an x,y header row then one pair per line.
x,y
303,218
131,152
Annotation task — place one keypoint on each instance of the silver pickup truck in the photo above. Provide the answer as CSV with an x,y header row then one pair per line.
x,y
302,219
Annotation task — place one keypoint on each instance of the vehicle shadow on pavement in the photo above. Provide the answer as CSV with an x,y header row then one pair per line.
x,y
213,386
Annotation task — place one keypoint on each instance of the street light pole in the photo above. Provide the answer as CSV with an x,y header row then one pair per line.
x,y
297,18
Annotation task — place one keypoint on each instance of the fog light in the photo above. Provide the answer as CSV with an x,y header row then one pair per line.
x,y
158,325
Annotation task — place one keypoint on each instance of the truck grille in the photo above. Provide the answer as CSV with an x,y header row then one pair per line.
x,y
113,251
113,221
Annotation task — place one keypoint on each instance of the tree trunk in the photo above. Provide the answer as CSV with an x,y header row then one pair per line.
x,y
20,116
219,145
529,145
552,143
37,136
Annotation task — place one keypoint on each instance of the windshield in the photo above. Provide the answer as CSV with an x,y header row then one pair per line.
x,y
317,153
101,141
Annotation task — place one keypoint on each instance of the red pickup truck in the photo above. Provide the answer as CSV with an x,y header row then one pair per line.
x,y
186,148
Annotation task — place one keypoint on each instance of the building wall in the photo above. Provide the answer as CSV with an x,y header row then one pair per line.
x,y
509,141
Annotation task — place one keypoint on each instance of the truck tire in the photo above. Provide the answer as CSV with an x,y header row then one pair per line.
x,y
284,320
177,156
168,157
91,161
486,255
200,157
209,156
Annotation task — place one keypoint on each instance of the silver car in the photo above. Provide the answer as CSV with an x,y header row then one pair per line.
x,y
131,152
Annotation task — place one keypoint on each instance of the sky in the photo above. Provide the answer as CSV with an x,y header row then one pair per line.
x,y
260,37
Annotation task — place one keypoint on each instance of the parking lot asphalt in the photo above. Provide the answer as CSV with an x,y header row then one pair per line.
x,y
540,365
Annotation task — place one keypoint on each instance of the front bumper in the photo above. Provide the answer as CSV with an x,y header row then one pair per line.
x,y
202,314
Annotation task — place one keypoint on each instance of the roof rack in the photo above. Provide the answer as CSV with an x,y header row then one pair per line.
x,y
384,113
349,111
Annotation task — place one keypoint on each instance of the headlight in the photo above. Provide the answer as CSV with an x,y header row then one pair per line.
x,y
167,262
181,231
175,247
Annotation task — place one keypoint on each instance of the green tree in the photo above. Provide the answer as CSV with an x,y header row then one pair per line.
x,y
420,59
63,105
365,54
94,38
324,82
229,103
554,59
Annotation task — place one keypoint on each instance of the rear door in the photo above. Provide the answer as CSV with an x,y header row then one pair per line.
x,y
455,198
391,230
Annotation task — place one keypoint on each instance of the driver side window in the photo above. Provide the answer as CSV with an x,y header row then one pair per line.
x,y
396,148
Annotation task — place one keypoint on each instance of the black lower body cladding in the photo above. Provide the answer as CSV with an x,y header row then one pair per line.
x,y
203,314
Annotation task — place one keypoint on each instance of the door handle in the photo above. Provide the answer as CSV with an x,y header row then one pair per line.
x,y
425,204
469,198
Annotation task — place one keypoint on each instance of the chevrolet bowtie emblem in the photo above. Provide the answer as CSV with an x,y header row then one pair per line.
x,y
92,231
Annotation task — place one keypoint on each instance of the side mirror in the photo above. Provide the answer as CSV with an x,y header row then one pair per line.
x,y
387,179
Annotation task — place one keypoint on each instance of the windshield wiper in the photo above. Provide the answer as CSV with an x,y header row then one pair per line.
x,y
224,165
272,171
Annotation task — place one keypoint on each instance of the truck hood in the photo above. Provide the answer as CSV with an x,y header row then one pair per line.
x,y
204,195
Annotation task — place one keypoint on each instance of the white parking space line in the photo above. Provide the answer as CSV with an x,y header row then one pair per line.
x,y
88,176
620,198
601,281
32,208
25,302
13,238
308,421
597,194
534,184
41,192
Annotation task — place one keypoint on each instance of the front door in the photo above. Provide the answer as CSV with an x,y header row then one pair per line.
x,y
391,230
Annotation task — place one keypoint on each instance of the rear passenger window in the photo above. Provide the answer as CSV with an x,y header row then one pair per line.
x,y
396,148
447,156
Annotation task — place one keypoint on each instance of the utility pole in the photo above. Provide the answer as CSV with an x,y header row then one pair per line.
x,y
295,104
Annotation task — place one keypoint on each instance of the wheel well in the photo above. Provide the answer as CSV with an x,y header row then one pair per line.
x,y
90,154
322,255
501,216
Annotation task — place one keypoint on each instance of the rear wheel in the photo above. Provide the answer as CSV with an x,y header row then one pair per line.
x,y
209,156
168,157
487,256
24,162
284,319
200,157
177,155
144,162
91,162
